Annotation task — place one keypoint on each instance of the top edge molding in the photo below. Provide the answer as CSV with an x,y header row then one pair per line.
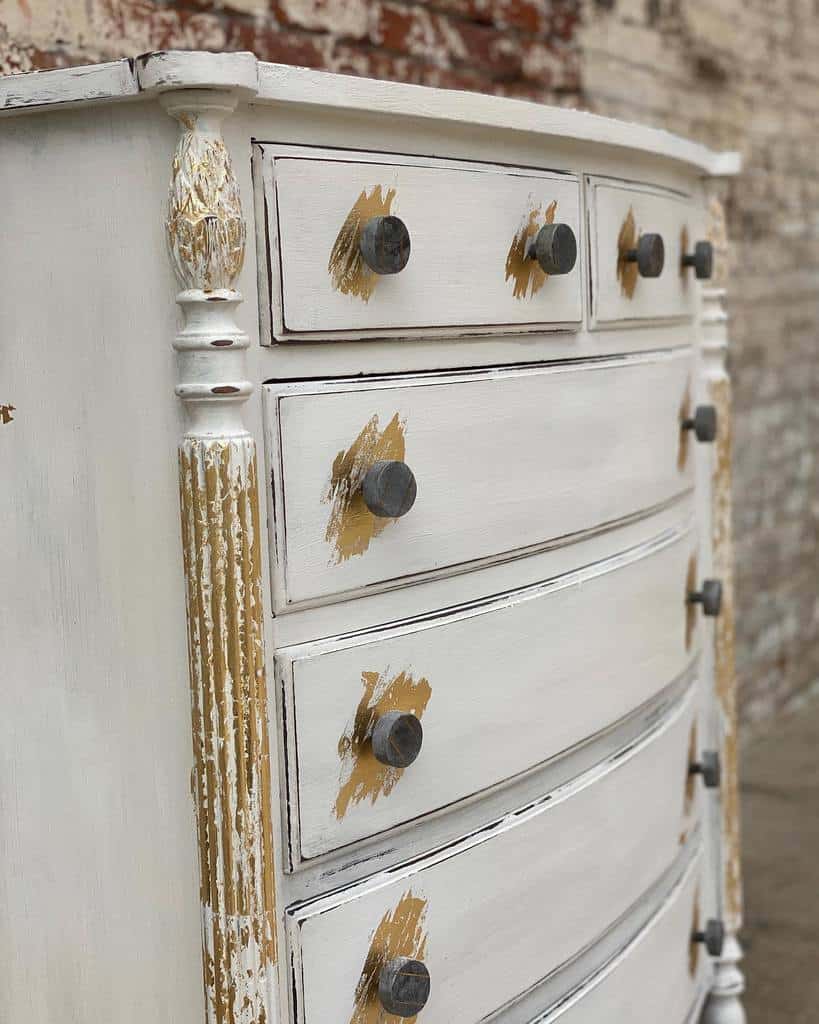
x,y
261,82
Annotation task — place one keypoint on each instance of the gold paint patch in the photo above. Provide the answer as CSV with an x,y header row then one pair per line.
x,y
684,240
694,947
351,525
363,776
689,805
690,609
400,933
685,439
526,274
5,413
627,272
348,271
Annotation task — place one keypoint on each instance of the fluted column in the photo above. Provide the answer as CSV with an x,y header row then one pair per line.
x,y
222,558
724,1005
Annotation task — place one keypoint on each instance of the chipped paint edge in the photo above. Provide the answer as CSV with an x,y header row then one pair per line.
x,y
222,553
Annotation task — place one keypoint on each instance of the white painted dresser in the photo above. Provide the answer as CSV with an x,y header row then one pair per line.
x,y
451,599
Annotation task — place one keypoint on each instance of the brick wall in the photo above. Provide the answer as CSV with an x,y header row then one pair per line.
x,y
732,73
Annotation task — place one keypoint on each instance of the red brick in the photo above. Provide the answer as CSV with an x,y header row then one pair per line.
x,y
282,46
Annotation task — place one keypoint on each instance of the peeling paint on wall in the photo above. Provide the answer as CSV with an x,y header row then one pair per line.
x,y
363,777
351,525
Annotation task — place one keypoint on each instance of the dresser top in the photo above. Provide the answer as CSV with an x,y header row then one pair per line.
x,y
261,82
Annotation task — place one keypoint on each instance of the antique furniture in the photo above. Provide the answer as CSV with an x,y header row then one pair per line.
x,y
453,431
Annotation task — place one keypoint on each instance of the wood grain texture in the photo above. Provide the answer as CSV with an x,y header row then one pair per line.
x,y
526,919
504,461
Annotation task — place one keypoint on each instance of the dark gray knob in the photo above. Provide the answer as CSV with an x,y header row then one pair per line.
x,y
389,489
701,259
397,738
385,245
709,768
710,597
713,937
403,986
555,249
649,255
703,423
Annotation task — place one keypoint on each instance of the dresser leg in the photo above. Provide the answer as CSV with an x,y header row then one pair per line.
x,y
725,1004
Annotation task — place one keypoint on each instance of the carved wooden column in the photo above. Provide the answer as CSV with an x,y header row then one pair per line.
x,y
724,1006
222,558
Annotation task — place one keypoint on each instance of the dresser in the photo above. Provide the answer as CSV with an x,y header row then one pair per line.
x,y
367,606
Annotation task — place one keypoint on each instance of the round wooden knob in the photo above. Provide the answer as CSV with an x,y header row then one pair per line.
x,y
703,423
701,259
712,937
397,738
649,255
389,489
403,986
709,768
385,245
710,597
555,249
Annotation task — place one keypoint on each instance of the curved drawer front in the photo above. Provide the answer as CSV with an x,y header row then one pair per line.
x,y
659,977
497,689
469,234
621,214
493,915
503,461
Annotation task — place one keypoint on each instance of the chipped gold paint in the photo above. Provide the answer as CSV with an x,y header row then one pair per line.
x,y
526,274
694,947
684,444
627,272
400,933
351,526
5,413
690,792
724,658
690,609
349,273
684,241
231,777
718,237
363,777
205,228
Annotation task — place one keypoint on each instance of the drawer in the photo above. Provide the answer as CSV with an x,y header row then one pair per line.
x,y
497,689
493,915
660,976
470,229
620,215
504,461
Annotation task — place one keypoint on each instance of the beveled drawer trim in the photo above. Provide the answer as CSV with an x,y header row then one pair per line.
x,y
633,602
507,462
533,858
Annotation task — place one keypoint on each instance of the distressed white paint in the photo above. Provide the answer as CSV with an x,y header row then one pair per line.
x,y
655,964
491,933
504,460
456,274
536,686
674,292
98,868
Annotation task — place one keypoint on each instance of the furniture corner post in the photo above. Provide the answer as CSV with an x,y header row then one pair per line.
x,y
725,1002
219,502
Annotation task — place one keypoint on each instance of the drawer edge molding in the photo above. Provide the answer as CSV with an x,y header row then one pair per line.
x,y
575,979
222,552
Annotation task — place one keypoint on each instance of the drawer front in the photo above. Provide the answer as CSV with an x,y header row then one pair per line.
x,y
495,914
469,230
504,461
497,690
658,977
621,214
